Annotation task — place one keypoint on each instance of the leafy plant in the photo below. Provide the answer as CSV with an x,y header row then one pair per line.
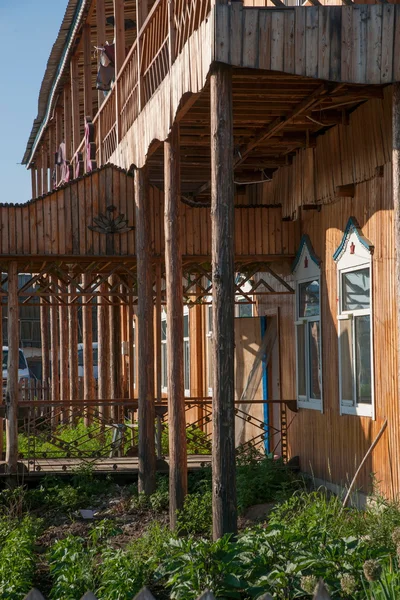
x,y
196,515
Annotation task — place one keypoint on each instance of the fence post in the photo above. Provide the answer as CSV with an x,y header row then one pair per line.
x,y
12,371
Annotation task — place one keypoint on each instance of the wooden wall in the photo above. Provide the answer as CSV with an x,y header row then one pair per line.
x,y
58,224
331,446
345,154
354,44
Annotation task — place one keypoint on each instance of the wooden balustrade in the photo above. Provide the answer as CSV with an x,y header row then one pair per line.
x,y
160,40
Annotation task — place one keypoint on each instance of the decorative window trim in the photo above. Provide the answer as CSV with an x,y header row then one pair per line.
x,y
354,254
186,347
306,268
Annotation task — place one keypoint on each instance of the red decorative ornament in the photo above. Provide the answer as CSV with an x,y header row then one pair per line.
x,y
306,262
352,248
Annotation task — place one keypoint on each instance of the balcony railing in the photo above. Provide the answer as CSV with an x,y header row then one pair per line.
x,y
162,37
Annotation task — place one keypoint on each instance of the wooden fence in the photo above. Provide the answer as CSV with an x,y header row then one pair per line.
x,y
320,594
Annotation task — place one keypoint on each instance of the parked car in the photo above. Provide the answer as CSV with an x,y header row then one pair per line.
x,y
23,369
95,360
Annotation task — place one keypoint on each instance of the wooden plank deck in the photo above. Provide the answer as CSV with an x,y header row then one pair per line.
x,y
39,468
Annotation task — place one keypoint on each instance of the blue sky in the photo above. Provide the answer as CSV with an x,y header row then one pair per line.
x,y
28,30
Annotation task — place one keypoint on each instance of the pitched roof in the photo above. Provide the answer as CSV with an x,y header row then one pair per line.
x,y
53,77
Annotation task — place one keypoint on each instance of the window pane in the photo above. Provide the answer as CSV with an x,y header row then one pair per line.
x,y
309,299
346,359
301,361
245,310
164,329
186,326
210,320
315,360
186,356
209,363
363,359
164,365
356,290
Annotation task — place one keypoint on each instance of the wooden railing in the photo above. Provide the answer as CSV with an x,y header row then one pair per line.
x,y
160,40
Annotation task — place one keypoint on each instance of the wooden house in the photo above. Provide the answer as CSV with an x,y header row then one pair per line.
x,y
239,154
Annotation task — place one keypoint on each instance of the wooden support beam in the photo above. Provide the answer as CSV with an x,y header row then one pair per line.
x,y
142,10
12,391
115,345
171,31
101,36
45,345
223,298
67,121
175,378
103,338
119,30
158,366
59,137
73,344
87,339
64,372
38,163
75,112
396,201
33,182
145,337
45,170
87,73
54,346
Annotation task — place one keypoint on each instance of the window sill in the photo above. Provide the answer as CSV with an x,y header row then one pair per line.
x,y
310,404
365,410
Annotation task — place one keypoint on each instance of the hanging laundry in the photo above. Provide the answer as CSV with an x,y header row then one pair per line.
x,y
106,69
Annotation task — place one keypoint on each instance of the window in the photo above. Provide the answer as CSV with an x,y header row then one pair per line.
x,y
356,382
164,374
186,351
209,335
306,271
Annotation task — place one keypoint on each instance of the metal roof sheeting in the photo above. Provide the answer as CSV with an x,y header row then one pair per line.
x,y
52,80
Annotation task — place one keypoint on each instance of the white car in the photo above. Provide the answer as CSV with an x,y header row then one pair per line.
x,y
23,369
95,360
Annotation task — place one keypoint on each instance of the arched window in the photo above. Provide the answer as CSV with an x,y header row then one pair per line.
x,y
306,272
356,374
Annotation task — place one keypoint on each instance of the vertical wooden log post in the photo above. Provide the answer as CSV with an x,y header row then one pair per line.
x,y
39,173
115,347
73,343
396,201
119,28
87,73
64,374
173,276
12,370
45,169
75,112
222,227
67,121
103,337
33,182
54,344
87,339
157,313
171,31
142,10
145,337
101,37
45,344
59,137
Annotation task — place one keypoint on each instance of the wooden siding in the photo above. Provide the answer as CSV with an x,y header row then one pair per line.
x,y
58,224
345,154
331,446
357,44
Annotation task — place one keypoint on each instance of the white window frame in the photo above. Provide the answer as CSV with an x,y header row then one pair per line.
x,y
186,347
350,261
164,354
307,269
209,337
